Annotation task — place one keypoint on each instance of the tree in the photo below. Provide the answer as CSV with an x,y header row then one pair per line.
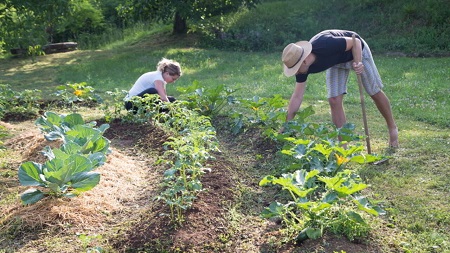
x,y
180,11
27,23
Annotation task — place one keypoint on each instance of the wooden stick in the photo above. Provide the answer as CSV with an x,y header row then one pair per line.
x,y
357,59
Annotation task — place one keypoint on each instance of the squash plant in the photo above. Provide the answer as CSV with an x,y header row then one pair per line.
x,y
319,202
69,169
325,193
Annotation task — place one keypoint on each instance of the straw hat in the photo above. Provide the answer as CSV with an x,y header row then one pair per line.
x,y
293,56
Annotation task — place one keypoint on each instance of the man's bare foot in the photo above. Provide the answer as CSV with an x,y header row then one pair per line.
x,y
393,138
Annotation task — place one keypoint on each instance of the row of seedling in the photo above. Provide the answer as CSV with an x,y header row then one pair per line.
x,y
192,141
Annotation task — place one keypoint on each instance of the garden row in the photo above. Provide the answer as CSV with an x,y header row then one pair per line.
x,y
323,186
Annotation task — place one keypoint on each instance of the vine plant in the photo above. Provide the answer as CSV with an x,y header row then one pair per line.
x,y
324,193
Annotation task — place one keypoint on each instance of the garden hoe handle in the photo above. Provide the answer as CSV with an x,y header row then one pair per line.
x,y
357,59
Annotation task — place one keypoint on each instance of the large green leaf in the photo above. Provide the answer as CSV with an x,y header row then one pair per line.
x,y
73,119
29,174
314,233
364,205
342,185
304,178
355,217
85,181
83,131
55,135
96,145
275,209
103,128
78,163
71,166
97,159
46,122
31,196
52,165
71,148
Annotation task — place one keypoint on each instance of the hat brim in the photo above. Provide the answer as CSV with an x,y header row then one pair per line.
x,y
307,47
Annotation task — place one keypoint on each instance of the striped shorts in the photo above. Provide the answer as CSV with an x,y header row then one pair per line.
x,y
337,76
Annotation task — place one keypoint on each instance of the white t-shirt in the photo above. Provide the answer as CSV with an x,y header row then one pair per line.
x,y
144,82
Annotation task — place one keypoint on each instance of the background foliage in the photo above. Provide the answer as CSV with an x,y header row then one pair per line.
x,y
418,28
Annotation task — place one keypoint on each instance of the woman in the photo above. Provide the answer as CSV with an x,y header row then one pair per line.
x,y
167,71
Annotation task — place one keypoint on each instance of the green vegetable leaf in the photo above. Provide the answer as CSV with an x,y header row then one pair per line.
x,y
314,233
85,181
73,119
31,196
356,217
275,209
29,174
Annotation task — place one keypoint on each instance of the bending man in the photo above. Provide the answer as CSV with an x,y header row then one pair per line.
x,y
331,50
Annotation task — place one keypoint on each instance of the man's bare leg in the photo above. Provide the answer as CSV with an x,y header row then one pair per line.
x,y
384,106
337,110
338,113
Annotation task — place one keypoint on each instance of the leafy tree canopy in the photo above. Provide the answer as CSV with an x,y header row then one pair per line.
x,y
180,10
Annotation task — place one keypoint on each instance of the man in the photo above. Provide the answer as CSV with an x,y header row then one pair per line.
x,y
331,50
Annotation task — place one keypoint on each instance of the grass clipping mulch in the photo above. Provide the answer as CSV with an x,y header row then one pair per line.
x,y
122,178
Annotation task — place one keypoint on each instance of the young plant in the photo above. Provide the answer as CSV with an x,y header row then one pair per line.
x,y
13,102
63,176
325,193
267,113
318,201
210,100
114,106
73,128
73,93
191,146
68,172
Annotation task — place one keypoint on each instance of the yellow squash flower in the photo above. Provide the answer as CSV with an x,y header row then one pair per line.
x,y
340,159
78,93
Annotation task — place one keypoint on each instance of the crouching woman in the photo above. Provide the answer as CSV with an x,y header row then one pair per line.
x,y
167,71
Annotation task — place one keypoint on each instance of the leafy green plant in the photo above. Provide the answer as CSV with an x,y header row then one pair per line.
x,y
68,170
188,149
144,108
317,202
72,93
326,194
210,100
191,146
14,102
267,113
62,177
34,51
72,128
113,106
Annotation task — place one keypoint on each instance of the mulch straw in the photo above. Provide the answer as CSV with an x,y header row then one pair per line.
x,y
122,179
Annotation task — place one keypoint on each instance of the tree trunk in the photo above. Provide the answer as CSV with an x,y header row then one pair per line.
x,y
179,24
